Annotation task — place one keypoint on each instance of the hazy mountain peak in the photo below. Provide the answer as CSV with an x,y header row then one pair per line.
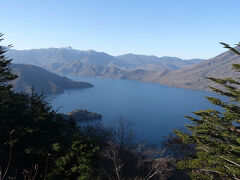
x,y
67,47
90,51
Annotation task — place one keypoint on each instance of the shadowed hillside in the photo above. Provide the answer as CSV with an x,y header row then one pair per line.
x,y
43,81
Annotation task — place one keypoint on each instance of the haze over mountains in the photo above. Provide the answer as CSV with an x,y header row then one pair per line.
x,y
193,77
170,71
155,63
92,63
43,81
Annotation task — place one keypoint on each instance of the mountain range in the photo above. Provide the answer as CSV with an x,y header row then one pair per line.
x,y
43,81
170,71
91,63
194,77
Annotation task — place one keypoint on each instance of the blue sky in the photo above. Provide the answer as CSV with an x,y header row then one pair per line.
x,y
182,28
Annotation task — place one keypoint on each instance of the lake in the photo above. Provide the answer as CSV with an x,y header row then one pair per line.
x,y
154,109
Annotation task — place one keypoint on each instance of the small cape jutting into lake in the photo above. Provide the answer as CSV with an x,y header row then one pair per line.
x,y
83,115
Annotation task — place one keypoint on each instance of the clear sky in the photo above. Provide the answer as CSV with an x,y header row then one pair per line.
x,y
182,28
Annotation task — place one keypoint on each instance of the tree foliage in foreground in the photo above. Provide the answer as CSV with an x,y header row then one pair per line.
x,y
216,135
36,142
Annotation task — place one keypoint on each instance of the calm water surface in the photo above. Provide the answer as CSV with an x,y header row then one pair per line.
x,y
154,109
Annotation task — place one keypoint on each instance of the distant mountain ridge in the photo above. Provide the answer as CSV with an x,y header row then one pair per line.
x,y
53,57
170,71
194,76
41,80
154,62
78,62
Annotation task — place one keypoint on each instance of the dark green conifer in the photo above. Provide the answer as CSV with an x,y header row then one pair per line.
x,y
42,137
5,71
216,134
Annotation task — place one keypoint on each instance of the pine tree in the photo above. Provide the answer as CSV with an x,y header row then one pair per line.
x,y
5,71
215,135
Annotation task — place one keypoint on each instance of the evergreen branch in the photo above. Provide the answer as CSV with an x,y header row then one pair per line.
x,y
214,171
234,176
230,161
230,48
236,67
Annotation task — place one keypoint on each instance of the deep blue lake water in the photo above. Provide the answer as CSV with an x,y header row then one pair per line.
x,y
154,109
